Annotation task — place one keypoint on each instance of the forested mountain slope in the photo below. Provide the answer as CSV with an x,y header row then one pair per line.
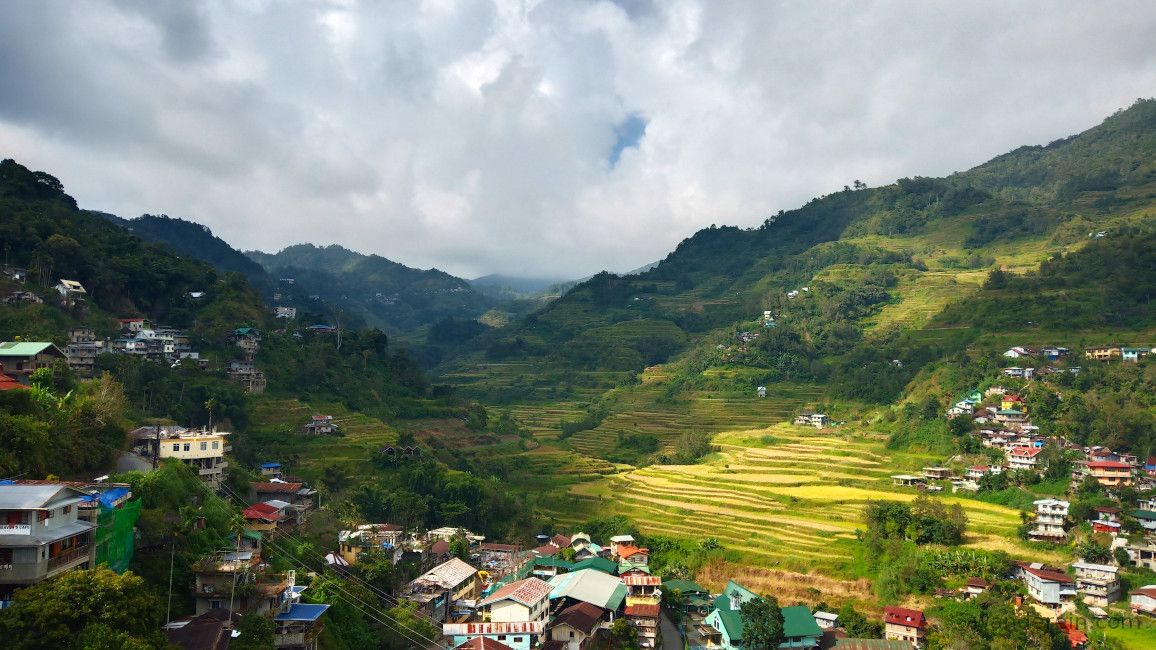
x,y
379,291
877,265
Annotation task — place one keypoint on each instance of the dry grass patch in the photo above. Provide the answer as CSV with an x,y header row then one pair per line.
x,y
788,586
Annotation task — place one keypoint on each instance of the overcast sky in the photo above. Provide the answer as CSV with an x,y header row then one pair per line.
x,y
552,138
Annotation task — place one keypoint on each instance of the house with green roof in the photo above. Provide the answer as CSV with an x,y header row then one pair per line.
x,y
22,358
723,627
694,597
596,563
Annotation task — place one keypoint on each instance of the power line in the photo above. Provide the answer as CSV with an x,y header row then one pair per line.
x,y
365,608
398,626
389,599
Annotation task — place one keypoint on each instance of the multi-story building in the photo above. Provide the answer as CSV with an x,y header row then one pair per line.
x,y
1110,473
1099,583
1048,586
385,538
643,600
236,580
247,376
1050,518
1023,458
1102,353
41,534
902,624
203,450
82,350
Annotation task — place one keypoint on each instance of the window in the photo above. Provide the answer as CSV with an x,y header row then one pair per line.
x,y
66,510
214,604
176,447
571,634
216,445
204,446
186,446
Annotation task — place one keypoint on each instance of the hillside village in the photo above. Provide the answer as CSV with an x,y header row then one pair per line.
x,y
938,433
565,591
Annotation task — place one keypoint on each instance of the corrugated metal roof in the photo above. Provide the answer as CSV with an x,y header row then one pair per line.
x,y
39,497
589,586
471,629
25,348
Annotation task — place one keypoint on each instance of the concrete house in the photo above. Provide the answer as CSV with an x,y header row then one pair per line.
x,y
1110,473
1143,600
902,624
1047,586
41,534
435,590
522,601
1050,519
1099,584
1023,457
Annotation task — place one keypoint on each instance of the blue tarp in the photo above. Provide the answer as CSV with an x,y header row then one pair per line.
x,y
110,496
270,465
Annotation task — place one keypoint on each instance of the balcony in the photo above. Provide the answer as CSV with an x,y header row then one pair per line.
x,y
72,556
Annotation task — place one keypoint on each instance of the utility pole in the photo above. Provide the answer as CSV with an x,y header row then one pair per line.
x,y
157,449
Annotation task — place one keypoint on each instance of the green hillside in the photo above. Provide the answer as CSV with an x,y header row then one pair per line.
x,y
372,289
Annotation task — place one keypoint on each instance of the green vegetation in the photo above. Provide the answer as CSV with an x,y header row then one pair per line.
x,y
85,609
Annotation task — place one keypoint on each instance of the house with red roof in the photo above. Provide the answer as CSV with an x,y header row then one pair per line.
x,y
263,517
1143,600
1110,473
902,624
1048,586
9,383
1023,458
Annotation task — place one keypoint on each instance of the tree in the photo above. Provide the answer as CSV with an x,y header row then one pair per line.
x,y
623,636
857,625
460,547
80,606
256,633
762,623
1092,551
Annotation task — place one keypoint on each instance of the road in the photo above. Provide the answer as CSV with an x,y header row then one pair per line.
x,y
670,637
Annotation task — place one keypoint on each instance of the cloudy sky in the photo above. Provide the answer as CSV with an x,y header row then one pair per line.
x,y
546,137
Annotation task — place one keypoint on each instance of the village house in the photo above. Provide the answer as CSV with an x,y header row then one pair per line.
x,y
937,473
436,590
271,469
694,597
1133,355
1102,353
1146,519
1018,352
209,631
1049,522
1143,553
902,624
619,541
575,626
630,557
237,579
494,636
1050,587
245,374
22,358
522,601
298,625
385,538
643,602
285,312
319,425
974,587
71,291
203,450
826,620
1023,458
724,625
1098,583
1055,353
1011,417
41,534
1110,473
817,420
1105,519
299,496
248,339
17,297
584,585
1143,600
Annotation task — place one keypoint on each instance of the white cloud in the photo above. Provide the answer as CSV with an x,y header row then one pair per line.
x,y
474,136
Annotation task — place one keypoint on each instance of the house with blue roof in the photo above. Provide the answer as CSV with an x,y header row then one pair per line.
x,y
271,469
298,624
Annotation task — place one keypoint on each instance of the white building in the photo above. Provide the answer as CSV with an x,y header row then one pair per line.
x,y
1050,516
1099,583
